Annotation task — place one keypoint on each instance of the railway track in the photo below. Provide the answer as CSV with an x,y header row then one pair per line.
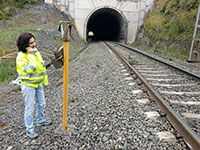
x,y
176,91
107,111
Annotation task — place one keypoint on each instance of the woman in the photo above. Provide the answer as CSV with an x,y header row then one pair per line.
x,y
32,73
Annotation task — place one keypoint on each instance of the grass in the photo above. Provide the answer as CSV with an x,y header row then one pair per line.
x,y
75,45
6,70
27,21
8,38
139,45
106,77
8,45
132,61
8,8
159,27
98,65
169,28
177,53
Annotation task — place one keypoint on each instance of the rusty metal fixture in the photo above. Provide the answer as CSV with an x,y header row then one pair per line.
x,y
58,60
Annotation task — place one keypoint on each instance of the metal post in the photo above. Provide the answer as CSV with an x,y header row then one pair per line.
x,y
195,30
65,84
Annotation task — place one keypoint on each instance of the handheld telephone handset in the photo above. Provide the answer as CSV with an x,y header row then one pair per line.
x,y
35,49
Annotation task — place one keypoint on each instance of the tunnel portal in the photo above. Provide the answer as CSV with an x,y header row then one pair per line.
x,y
107,25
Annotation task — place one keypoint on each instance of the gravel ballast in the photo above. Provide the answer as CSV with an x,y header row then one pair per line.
x,y
103,111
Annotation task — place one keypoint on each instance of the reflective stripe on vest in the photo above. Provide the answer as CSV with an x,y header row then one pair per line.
x,y
28,81
33,75
28,66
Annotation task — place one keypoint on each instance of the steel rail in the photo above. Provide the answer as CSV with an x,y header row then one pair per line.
x,y
171,65
190,137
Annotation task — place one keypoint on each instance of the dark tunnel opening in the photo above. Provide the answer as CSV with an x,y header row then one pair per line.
x,y
106,24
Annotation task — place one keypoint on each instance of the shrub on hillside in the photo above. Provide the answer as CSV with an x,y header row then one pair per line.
x,y
9,8
5,70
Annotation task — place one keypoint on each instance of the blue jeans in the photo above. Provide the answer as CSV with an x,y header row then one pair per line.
x,y
31,94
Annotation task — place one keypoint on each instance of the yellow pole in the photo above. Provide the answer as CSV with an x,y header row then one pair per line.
x,y
65,84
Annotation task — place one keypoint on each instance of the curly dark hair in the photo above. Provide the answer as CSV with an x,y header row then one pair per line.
x,y
23,41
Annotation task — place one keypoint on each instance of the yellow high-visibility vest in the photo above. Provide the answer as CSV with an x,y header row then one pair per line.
x,y
31,70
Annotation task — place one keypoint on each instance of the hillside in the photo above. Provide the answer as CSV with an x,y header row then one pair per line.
x,y
169,27
167,30
9,8
40,19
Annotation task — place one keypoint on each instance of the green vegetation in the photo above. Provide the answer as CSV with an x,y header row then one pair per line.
x,y
28,21
8,8
8,45
132,61
98,65
170,26
106,76
177,53
6,69
8,35
75,45
8,38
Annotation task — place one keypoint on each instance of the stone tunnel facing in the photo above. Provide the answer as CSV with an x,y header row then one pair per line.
x,y
106,24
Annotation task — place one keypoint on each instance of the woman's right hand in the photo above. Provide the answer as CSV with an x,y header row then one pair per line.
x,y
30,50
